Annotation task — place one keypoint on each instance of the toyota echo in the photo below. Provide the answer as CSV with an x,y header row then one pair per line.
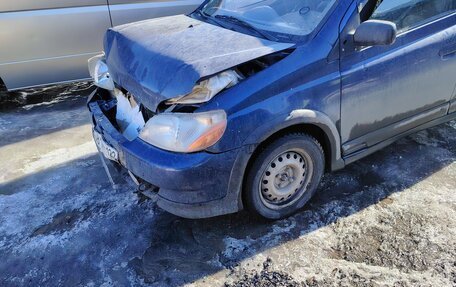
x,y
245,104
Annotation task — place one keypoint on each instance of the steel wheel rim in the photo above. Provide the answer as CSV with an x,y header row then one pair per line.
x,y
285,179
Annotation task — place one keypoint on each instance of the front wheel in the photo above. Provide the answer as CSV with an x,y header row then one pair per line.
x,y
284,176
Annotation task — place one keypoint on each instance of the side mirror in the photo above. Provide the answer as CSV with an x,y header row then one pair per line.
x,y
375,33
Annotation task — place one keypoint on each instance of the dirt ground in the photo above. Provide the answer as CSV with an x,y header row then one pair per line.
x,y
387,220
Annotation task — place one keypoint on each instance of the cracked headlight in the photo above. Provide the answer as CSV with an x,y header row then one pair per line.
x,y
207,89
100,74
185,133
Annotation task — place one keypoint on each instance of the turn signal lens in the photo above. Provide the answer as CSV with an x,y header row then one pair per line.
x,y
99,72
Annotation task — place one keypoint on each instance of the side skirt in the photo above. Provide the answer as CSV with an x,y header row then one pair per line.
x,y
367,151
452,107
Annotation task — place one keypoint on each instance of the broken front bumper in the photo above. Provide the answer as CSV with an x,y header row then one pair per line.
x,y
193,185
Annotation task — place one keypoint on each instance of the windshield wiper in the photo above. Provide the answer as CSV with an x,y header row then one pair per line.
x,y
247,25
201,14
207,18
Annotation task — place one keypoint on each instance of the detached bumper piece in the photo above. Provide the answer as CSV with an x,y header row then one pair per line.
x,y
192,185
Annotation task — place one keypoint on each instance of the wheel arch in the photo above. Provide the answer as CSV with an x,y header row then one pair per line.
x,y
312,122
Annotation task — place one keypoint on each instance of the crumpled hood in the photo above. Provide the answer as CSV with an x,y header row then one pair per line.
x,y
164,58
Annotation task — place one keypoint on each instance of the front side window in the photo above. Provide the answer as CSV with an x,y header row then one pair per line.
x,y
293,17
411,13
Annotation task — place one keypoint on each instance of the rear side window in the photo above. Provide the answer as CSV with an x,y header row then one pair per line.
x,y
411,13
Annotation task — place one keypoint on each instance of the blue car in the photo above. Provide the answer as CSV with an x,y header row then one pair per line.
x,y
246,104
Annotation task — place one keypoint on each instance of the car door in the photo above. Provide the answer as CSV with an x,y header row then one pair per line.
x,y
125,11
387,90
49,41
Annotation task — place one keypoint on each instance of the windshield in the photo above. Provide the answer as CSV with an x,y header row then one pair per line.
x,y
292,17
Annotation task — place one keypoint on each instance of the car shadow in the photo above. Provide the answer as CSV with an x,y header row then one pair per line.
x,y
183,250
45,95
59,226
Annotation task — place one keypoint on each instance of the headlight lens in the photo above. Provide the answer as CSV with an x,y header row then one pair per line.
x,y
100,74
207,89
185,133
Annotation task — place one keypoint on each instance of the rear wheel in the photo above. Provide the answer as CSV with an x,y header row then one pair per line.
x,y
284,176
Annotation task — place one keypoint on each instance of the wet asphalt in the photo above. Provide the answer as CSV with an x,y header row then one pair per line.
x,y
387,220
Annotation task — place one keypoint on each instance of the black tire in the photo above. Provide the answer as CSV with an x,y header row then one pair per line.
x,y
285,153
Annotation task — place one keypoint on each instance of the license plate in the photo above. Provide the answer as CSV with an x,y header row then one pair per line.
x,y
108,151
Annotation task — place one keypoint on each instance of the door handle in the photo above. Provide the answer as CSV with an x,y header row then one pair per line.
x,y
448,52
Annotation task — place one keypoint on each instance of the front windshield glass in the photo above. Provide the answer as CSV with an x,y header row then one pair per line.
x,y
293,17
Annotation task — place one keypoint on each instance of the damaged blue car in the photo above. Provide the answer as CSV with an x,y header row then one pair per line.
x,y
245,104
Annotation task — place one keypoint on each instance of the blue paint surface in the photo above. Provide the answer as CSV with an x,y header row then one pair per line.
x,y
163,58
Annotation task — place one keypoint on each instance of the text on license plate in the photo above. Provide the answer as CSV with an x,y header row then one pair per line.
x,y
108,151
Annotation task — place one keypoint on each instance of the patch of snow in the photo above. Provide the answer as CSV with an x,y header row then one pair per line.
x,y
453,124
59,156
48,103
